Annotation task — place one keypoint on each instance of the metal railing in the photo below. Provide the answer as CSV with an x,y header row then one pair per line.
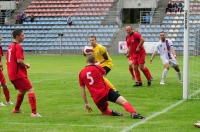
x,y
146,17
119,13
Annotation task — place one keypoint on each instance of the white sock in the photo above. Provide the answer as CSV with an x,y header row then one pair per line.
x,y
164,74
179,75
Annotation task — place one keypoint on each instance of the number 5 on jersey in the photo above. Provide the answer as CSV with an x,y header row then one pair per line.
x,y
90,78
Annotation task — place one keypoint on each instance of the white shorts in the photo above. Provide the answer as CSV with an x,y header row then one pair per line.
x,y
172,62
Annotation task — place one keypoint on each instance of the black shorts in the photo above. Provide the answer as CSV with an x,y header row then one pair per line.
x,y
112,96
107,69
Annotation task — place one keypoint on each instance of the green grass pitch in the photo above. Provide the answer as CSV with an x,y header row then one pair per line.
x,y
59,101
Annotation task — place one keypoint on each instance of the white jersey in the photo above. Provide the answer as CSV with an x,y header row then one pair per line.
x,y
165,49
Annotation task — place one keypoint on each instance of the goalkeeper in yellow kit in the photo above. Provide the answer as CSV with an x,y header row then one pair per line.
x,y
102,58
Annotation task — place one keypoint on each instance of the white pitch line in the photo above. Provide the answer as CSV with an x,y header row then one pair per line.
x,y
67,125
152,116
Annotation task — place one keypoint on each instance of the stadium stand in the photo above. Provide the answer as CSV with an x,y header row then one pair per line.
x,y
173,26
51,20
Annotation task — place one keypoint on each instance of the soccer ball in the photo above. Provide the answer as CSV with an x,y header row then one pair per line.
x,y
87,50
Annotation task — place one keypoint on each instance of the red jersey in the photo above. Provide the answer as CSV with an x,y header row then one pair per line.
x,y
1,53
92,77
15,71
133,41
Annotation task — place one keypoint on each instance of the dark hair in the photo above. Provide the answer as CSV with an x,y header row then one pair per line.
x,y
93,37
90,59
16,33
162,32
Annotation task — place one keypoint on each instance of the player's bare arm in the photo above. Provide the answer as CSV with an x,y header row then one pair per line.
x,y
140,44
87,105
173,52
1,66
128,52
152,56
23,64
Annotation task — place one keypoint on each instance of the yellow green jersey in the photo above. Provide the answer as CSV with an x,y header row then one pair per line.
x,y
98,52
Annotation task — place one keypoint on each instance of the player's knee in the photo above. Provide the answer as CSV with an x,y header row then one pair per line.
x,y
121,100
22,92
130,63
4,86
31,90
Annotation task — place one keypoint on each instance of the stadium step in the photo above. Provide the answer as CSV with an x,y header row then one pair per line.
x,y
22,6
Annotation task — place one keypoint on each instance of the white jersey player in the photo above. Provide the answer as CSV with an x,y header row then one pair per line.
x,y
167,55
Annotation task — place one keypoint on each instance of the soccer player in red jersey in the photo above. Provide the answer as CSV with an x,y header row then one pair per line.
x,y
92,77
3,81
137,52
17,73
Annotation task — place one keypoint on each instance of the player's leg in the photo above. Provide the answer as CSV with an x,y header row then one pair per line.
x,y
32,102
31,98
145,70
178,73
136,70
5,88
102,105
24,85
118,99
131,70
1,103
7,94
174,64
137,74
107,69
165,71
109,84
20,98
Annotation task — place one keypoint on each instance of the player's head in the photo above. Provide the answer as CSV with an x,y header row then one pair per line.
x,y
129,30
162,36
90,59
93,41
18,35
0,39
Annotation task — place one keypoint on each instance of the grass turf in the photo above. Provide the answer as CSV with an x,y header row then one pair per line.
x,y
59,101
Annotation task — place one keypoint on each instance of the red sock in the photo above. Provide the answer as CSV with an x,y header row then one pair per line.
x,y
131,71
107,112
147,73
7,94
32,102
137,74
20,98
129,108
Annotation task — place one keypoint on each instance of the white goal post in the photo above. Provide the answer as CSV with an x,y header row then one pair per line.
x,y
191,50
186,50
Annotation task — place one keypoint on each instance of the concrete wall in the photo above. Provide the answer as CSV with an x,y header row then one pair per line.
x,y
7,5
139,3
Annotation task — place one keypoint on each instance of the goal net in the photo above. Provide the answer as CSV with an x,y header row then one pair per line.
x,y
191,61
194,67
